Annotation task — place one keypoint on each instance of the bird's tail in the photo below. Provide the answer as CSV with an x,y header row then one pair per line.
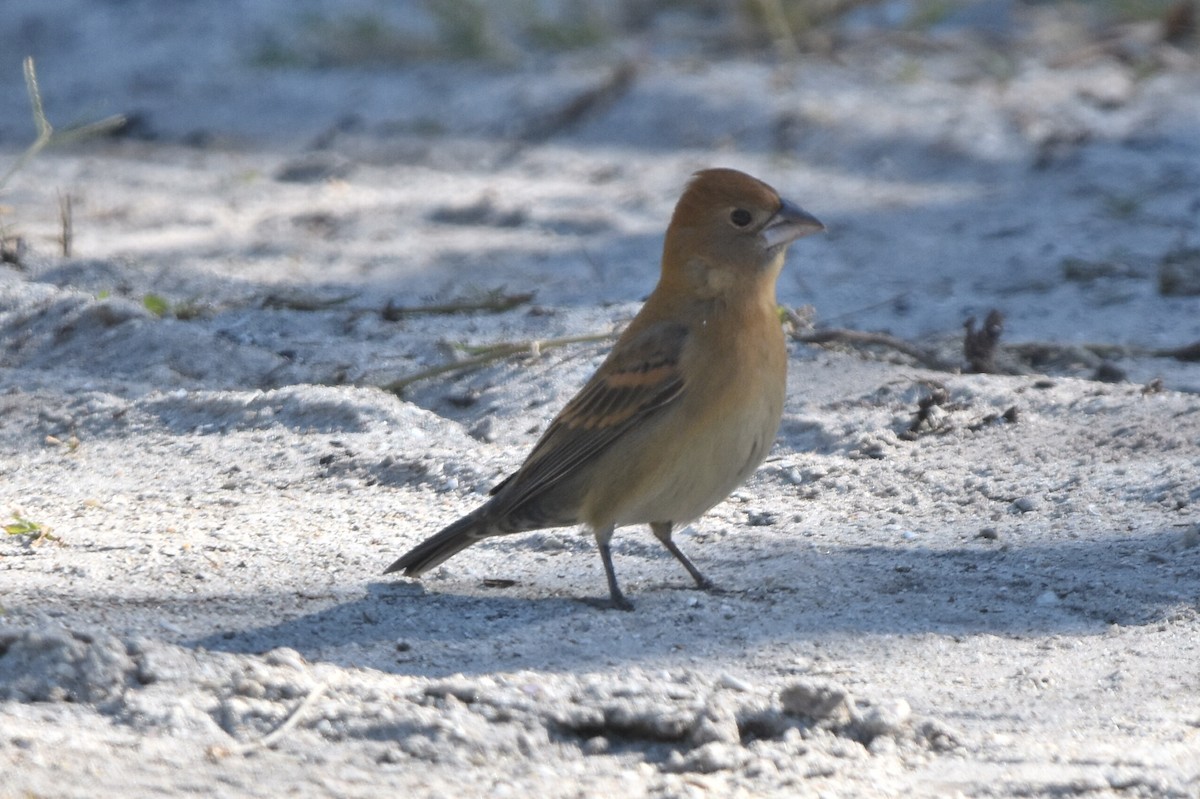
x,y
442,546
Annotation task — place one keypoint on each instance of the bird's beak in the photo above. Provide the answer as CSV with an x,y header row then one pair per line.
x,y
789,223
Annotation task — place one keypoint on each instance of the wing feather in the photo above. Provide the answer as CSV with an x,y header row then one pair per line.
x,y
640,378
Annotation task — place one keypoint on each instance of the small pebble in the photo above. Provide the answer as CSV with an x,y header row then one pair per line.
x,y
708,759
549,542
888,719
718,722
1024,504
818,700
1179,273
734,683
285,656
596,745
1047,599
484,430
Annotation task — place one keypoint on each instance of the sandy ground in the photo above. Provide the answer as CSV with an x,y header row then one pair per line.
x,y
1004,601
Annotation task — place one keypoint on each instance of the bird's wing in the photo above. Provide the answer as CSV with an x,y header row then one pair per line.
x,y
638,379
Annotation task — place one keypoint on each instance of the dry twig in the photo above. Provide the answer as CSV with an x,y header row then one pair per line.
x,y
271,738
585,104
45,131
862,339
489,354
984,352
67,218
495,302
979,346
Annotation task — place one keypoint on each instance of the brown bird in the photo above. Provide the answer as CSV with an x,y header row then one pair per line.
x,y
686,405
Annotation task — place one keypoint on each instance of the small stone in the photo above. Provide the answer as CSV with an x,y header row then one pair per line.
x,y
1179,273
1024,504
246,686
709,758
391,756
484,430
596,745
548,542
717,722
988,534
1190,538
460,688
1109,372
939,736
818,700
793,476
733,683
873,721
869,447
1047,599
762,719
314,168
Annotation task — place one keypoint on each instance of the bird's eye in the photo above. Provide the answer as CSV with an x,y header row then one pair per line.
x,y
740,217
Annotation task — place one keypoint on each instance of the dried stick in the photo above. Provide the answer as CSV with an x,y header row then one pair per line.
x,y
587,103
862,338
271,738
495,302
490,354
66,217
45,131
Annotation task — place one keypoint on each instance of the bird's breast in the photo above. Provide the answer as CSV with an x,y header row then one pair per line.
x,y
700,449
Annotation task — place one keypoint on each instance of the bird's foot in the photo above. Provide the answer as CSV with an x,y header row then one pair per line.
x,y
710,587
618,602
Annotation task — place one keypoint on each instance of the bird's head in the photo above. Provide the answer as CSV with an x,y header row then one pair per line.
x,y
729,232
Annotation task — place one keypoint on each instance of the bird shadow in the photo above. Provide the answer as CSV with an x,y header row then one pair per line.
x,y
780,594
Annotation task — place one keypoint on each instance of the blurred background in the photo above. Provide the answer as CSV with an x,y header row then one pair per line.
x,y
177,67
1033,157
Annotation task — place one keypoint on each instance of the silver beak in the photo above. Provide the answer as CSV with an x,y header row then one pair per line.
x,y
789,223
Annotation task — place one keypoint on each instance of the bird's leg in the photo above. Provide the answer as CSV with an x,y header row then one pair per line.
x,y
662,531
616,598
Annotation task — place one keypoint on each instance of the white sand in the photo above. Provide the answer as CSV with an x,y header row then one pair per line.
x,y
991,609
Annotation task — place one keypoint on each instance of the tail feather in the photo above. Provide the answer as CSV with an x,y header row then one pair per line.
x,y
440,547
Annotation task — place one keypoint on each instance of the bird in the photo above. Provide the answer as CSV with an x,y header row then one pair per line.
x,y
686,404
